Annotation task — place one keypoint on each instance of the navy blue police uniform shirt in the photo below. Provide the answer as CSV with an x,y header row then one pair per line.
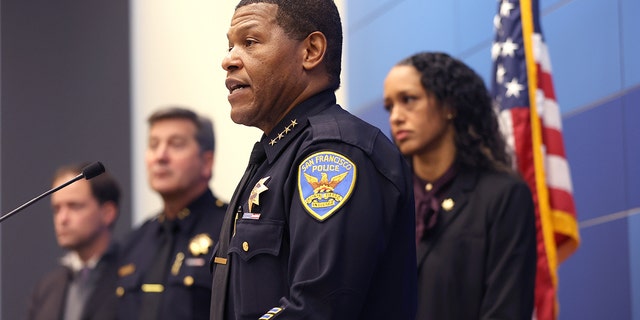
x,y
325,227
187,288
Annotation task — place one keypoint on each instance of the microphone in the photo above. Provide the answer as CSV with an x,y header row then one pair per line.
x,y
91,171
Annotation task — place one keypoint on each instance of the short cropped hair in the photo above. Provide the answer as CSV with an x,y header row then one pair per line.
x,y
104,187
204,126
299,18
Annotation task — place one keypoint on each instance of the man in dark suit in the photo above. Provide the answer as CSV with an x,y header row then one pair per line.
x,y
83,286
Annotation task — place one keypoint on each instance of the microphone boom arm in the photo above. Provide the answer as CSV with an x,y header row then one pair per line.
x,y
88,172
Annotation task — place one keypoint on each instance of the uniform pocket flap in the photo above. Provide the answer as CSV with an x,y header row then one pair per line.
x,y
255,237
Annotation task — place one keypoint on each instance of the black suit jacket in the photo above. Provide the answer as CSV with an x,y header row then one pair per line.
x,y
479,261
48,299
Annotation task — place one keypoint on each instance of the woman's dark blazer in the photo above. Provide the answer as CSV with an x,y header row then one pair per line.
x,y
479,261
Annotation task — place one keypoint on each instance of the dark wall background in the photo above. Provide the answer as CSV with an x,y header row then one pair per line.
x,y
65,97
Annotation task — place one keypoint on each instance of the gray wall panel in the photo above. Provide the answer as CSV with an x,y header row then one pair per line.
x,y
64,98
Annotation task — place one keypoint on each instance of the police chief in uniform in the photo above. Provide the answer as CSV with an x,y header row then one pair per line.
x,y
322,224
164,271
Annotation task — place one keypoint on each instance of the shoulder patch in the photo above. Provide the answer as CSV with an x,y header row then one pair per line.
x,y
325,182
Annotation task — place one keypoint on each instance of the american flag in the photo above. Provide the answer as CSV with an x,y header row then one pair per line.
x,y
522,89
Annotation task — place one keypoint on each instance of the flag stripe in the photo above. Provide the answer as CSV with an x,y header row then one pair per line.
x,y
542,53
561,200
554,143
522,141
551,114
546,84
558,176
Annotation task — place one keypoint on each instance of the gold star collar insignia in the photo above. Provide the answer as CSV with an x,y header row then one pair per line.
x,y
284,132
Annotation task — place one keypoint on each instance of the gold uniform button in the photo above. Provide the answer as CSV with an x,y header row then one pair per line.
x,y
188,281
428,187
219,203
120,291
245,246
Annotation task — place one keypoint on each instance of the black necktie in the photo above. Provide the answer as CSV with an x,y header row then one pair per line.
x,y
157,274
221,259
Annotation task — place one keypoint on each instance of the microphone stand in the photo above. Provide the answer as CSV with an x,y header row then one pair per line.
x,y
88,172
20,208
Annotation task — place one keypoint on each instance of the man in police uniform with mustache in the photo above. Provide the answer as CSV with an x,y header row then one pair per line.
x,y
164,271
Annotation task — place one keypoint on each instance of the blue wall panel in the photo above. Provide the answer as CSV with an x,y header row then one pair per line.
x,y
631,104
546,4
630,10
594,282
473,24
595,152
361,12
631,107
375,47
634,264
584,44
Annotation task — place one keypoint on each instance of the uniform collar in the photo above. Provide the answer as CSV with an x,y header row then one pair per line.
x,y
186,217
294,123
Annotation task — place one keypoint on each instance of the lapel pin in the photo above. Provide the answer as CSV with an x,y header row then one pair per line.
x,y
447,204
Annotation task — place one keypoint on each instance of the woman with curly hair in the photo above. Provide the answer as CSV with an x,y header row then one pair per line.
x,y
475,227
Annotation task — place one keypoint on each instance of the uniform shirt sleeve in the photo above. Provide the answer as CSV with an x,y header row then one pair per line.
x,y
333,262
